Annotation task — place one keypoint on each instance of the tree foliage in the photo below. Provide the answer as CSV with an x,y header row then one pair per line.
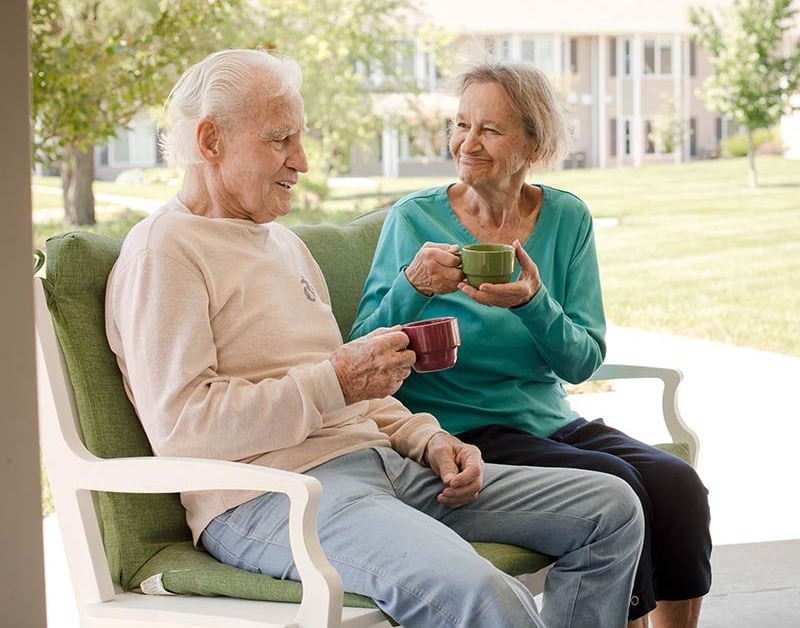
x,y
349,50
95,63
755,71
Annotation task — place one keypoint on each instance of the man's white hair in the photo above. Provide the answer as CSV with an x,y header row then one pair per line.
x,y
220,87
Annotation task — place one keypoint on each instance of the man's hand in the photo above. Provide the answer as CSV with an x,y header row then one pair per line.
x,y
459,465
373,366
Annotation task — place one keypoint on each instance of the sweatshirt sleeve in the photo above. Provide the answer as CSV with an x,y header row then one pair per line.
x,y
569,332
409,433
388,298
159,326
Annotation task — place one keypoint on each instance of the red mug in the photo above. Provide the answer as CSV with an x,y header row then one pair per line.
x,y
435,341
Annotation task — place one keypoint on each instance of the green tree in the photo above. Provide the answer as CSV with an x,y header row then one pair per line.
x,y
753,73
95,63
350,51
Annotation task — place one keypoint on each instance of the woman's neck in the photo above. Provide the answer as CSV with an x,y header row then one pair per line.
x,y
497,216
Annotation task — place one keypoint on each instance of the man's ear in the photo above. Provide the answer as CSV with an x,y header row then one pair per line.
x,y
208,138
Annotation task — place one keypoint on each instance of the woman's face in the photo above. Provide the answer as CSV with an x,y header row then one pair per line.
x,y
262,160
488,143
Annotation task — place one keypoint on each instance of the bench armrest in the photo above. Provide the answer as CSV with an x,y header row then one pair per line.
x,y
671,379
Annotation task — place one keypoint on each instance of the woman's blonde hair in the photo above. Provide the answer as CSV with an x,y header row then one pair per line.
x,y
221,87
532,97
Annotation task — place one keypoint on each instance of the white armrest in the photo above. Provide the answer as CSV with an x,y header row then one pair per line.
x,y
671,379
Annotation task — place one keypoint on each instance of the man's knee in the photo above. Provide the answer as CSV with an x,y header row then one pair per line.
x,y
622,507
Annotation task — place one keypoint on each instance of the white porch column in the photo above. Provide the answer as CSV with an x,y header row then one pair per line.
x,y
22,597
390,151
637,124
621,77
599,81
558,55
681,151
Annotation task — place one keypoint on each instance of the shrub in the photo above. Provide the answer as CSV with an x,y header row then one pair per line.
x,y
736,145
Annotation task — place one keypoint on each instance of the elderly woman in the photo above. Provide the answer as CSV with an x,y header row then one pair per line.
x,y
223,330
547,325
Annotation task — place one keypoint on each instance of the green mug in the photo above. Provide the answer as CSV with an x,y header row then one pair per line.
x,y
487,263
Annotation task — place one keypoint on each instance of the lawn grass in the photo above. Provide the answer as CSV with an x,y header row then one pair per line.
x,y
691,249
696,252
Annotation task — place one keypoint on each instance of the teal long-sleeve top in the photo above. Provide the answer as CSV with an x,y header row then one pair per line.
x,y
512,361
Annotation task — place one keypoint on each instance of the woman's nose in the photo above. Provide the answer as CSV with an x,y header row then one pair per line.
x,y
470,140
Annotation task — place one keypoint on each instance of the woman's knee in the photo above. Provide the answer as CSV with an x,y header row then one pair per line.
x,y
676,485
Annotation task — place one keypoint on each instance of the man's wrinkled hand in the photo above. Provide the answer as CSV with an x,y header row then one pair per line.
x,y
459,465
373,366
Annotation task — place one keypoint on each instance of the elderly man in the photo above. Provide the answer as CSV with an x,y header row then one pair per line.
x,y
222,326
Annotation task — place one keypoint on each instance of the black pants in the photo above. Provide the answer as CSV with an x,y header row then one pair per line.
x,y
676,557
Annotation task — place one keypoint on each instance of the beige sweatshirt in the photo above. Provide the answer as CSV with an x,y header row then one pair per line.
x,y
223,331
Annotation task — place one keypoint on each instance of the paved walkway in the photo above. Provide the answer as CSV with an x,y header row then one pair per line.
x,y
743,405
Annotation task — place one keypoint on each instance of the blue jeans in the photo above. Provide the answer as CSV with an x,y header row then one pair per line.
x,y
383,530
675,563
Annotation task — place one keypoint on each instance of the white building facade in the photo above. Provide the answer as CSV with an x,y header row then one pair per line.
x,y
627,71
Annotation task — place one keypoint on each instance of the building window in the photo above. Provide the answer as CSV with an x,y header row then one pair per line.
x,y
665,50
718,130
649,144
626,57
693,137
612,137
626,137
692,58
540,51
612,56
573,55
120,148
657,57
505,49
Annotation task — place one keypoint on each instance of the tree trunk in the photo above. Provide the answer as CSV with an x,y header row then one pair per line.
x,y
77,175
751,158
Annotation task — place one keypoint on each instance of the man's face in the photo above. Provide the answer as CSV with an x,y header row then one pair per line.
x,y
262,158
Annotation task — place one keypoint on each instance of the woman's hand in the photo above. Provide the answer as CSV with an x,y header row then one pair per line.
x,y
435,269
509,294
373,366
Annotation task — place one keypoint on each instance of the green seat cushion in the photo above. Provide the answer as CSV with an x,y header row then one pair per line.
x,y
184,569
513,560
681,450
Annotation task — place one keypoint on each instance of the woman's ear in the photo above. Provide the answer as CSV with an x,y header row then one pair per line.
x,y
208,139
